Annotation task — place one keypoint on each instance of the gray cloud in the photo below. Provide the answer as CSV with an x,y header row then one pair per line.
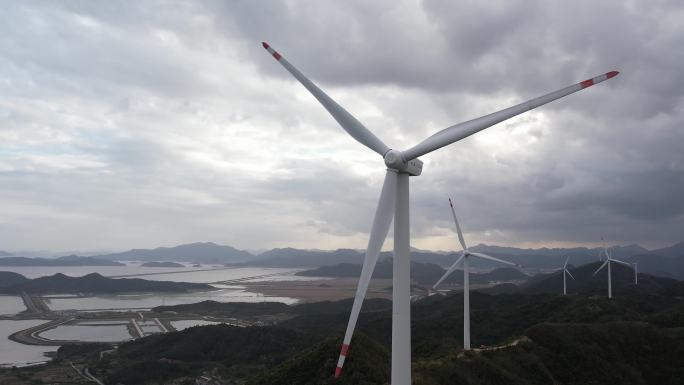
x,y
144,124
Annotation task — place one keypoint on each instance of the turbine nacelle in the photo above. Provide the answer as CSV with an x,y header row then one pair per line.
x,y
395,161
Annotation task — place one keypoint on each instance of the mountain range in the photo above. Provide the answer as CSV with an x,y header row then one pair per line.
x,y
667,261
200,252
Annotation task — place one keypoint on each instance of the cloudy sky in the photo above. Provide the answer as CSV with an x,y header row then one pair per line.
x,y
141,124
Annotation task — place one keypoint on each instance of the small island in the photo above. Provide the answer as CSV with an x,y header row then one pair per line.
x,y
13,283
161,264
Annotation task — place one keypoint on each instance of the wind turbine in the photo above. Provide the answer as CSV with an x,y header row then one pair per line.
x,y
566,271
636,280
394,202
465,255
609,259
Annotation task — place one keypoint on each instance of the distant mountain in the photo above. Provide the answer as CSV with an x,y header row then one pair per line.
x,y
676,250
4,254
658,265
585,281
69,260
207,252
161,264
543,258
289,257
92,283
422,273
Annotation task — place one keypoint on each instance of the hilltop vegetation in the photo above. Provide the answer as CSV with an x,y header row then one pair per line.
x,y
635,338
531,336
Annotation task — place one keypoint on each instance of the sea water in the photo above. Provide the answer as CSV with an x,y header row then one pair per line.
x,y
16,354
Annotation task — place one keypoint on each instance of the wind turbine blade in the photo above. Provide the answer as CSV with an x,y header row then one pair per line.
x,y
459,131
458,227
485,256
566,263
601,267
620,262
449,270
570,274
381,224
350,124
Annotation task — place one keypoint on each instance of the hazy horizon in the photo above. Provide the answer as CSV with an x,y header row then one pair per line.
x,y
59,253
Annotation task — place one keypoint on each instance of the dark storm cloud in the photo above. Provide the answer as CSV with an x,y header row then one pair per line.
x,y
159,123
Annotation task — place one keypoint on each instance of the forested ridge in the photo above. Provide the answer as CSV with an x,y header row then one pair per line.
x,y
542,338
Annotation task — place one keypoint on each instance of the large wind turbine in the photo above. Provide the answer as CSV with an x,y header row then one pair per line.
x,y
394,202
465,255
566,271
609,259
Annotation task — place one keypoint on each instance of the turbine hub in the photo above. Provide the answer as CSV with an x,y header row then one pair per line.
x,y
395,161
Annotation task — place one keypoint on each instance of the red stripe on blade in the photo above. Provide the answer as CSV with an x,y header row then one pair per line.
x,y
611,74
343,352
338,372
276,55
264,44
587,83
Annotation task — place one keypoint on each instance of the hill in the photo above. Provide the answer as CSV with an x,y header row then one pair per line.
x,y
676,250
544,338
8,278
161,264
92,283
69,260
369,365
289,257
422,273
247,309
585,281
4,254
166,356
207,253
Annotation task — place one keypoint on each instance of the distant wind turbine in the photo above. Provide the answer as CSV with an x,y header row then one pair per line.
x,y
566,271
394,203
636,280
609,259
465,254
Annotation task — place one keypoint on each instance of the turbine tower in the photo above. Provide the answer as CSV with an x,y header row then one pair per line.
x,y
609,259
566,271
394,203
465,255
636,280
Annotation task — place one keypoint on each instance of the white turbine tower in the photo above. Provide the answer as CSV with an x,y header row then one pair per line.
x,y
609,259
465,255
394,202
566,271
636,280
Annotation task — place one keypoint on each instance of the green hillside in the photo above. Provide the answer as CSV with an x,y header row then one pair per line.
x,y
520,338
